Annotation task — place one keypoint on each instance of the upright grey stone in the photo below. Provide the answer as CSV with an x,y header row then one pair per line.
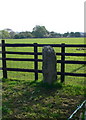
x,y
49,65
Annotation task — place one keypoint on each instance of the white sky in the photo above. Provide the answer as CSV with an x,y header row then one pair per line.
x,y
56,15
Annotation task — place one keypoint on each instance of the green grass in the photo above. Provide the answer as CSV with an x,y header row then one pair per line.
x,y
30,65
35,100
25,98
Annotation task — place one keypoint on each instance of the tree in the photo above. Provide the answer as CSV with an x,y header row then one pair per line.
x,y
72,34
66,34
4,34
54,35
28,34
39,31
17,36
23,35
12,34
77,34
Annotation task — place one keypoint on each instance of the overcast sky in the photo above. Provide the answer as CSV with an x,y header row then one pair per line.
x,y
56,15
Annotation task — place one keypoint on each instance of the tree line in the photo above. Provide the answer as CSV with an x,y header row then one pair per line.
x,y
37,32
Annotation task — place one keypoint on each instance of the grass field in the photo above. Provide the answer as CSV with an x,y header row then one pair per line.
x,y
69,68
23,98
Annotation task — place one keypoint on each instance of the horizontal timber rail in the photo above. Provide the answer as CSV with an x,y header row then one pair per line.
x,y
41,45
40,60
35,53
40,71
39,53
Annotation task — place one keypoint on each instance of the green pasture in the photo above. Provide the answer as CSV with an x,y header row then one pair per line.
x,y
30,65
24,98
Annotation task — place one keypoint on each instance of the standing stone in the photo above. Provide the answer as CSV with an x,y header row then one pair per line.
x,y
49,65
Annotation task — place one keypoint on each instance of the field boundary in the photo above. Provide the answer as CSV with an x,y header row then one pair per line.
x,y
3,45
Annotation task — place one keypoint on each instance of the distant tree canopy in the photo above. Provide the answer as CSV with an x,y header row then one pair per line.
x,y
23,35
54,35
66,34
40,32
77,34
37,32
4,34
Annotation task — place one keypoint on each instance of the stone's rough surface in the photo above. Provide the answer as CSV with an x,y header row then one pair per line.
x,y
49,65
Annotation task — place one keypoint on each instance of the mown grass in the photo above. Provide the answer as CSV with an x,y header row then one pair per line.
x,y
24,98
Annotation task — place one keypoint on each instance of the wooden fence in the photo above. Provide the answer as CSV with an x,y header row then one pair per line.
x,y
36,60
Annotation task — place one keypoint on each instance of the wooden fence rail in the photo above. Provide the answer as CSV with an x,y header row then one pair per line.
x,y
4,68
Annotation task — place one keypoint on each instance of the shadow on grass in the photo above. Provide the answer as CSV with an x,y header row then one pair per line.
x,y
43,89
36,100
29,99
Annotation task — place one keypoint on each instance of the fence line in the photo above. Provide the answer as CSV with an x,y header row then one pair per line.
x,y
36,60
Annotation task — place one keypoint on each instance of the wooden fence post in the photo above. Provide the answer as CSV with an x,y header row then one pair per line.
x,y
4,60
62,62
35,62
